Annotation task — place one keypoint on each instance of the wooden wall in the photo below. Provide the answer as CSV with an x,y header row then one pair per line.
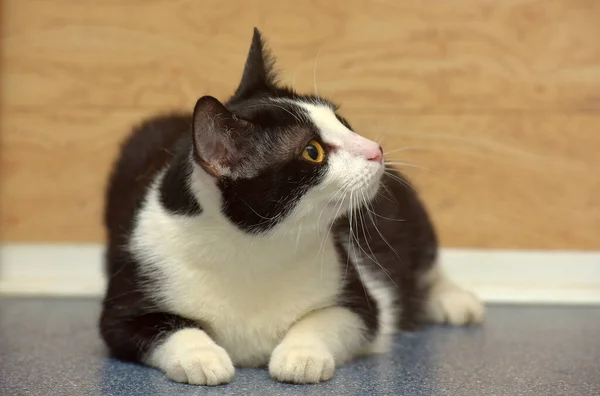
x,y
498,100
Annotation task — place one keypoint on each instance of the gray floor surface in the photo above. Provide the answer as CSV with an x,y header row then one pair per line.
x,y
51,347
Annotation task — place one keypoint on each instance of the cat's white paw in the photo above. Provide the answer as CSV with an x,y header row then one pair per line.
x,y
301,364
208,365
190,355
455,306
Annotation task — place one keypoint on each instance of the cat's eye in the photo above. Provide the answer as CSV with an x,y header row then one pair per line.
x,y
313,152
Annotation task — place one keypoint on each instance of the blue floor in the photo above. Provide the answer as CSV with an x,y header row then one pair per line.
x,y
51,347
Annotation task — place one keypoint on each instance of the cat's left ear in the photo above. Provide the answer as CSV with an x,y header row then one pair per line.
x,y
259,73
217,135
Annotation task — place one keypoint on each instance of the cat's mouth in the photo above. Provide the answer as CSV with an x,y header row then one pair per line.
x,y
362,192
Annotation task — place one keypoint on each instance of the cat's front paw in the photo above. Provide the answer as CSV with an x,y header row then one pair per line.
x,y
190,355
209,365
301,364
455,306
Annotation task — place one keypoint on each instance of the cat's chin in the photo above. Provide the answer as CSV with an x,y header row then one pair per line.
x,y
372,189
357,197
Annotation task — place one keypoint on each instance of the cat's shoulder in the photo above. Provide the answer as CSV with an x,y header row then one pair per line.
x,y
148,148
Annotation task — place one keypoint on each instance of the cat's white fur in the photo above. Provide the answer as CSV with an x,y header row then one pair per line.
x,y
266,299
382,289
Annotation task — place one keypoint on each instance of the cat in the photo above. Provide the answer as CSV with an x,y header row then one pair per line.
x,y
264,231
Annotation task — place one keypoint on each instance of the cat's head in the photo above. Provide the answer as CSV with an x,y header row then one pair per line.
x,y
279,156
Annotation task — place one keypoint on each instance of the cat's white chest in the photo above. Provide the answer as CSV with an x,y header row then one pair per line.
x,y
249,312
244,291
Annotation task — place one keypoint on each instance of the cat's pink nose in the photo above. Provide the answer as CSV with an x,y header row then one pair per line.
x,y
377,156
365,148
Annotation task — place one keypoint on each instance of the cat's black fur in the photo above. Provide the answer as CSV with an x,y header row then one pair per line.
x,y
132,322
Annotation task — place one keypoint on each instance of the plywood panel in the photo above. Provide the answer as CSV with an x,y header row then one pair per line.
x,y
381,55
502,99
54,166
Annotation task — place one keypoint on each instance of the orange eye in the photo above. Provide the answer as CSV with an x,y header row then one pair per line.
x,y
314,152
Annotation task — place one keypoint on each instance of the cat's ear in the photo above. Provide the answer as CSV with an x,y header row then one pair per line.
x,y
259,73
216,131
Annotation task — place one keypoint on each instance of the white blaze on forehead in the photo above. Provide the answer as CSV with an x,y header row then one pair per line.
x,y
337,134
332,130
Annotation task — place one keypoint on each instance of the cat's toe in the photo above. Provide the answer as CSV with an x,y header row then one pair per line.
x,y
454,306
202,366
301,364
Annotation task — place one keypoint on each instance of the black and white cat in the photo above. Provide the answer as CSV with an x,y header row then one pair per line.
x,y
264,231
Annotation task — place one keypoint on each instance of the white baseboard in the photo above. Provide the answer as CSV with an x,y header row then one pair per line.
x,y
497,276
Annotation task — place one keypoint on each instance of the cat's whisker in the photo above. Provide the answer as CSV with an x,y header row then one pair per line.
x,y
386,197
383,238
373,256
351,238
358,217
340,191
387,190
362,220
266,220
344,191
379,138
315,72
322,248
383,217
370,204
271,103
404,149
406,164
399,180
289,112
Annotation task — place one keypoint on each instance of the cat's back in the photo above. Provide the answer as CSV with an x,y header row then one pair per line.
x,y
147,150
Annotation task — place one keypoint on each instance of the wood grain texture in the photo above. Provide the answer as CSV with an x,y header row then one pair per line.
x,y
503,99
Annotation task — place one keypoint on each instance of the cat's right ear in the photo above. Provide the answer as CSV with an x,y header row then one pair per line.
x,y
216,133
259,71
